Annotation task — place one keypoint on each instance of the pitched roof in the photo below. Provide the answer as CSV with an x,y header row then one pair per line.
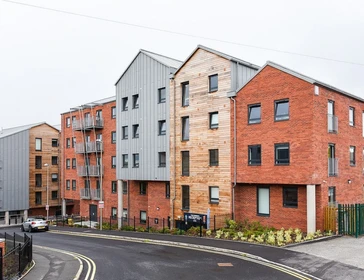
x,y
302,77
92,104
226,56
165,60
13,130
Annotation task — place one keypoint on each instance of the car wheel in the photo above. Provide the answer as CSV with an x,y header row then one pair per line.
x,y
30,229
47,228
22,228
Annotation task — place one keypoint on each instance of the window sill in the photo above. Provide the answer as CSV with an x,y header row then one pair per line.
x,y
263,215
255,164
282,120
185,209
281,164
288,206
250,123
214,128
213,90
214,202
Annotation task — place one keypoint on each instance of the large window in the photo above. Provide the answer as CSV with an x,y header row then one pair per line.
x,y
185,128
162,127
214,120
143,188
213,83
113,112
281,154
351,116
254,112
290,196
54,177
214,195
54,195
185,163
143,217
214,157
125,187
186,197
135,101
162,159
135,130
124,102
185,94
254,155
263,201
125,161
113,137
125,132
38,198
54,160
162,95
38,144
135,160
38,162
281,110
352,155
38,180
114,187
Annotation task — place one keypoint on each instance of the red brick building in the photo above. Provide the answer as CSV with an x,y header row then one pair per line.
x,y
299,146
89,159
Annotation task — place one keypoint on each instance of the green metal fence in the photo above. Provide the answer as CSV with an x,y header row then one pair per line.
x,y
351,219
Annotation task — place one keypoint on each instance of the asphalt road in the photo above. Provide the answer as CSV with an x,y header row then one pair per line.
x,y
116,259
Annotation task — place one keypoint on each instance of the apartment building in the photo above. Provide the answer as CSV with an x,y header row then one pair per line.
x,y
299,148
89,160
143,167
29,168
201,132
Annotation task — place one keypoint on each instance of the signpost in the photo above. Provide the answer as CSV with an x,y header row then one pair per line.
x,y
101,204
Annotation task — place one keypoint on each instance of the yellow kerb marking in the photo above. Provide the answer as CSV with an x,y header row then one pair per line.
x,y
224,264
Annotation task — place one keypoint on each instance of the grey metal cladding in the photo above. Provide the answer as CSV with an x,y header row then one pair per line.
x,y
240,75
143,77
14,172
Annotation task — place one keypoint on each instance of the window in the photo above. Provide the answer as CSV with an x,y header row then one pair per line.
x,y
135,130
351,116
185,94
68,163
125,187
125,161
168,190
68,184
68,122
114,212
114,188
254,155
185,128
113,112
254,113
213,83
113,162
332,196
54,177
125,214
143,188
332,120
125,132
98,114
162,159
54,142
281,110
73,185
162,95
87,116
162,127
38,180
38,198
214,195
87,184
281,153
263,201
135,101
214,120
124,102
332,160
290,197
54,195
185,163
54,160
73,121
38,144
113,137
135,160
352,155
185,197
73,142
38,162
73,163
214,157
68,142
143,217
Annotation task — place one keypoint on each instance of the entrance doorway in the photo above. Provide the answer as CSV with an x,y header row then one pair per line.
x,y
93,213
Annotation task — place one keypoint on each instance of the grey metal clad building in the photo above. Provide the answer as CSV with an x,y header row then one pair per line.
x,y
142,101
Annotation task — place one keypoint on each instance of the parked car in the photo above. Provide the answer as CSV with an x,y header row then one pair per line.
x,y
35,224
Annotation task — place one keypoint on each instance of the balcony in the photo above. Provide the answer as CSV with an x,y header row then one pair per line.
x,y
333,164
332,123
88,123
96,194
85,193
89,170
89,147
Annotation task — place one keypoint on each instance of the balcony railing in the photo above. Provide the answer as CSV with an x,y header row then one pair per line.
x,y
89,170
96,194
85,193
88,123
333,164
332,123
89,147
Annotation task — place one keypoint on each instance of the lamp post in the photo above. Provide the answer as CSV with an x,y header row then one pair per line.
x,y
47,206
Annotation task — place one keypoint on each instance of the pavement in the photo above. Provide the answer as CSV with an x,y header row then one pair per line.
x,y
337,257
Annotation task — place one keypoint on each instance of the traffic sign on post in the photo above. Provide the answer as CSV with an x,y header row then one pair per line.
x,y
101,204
47,207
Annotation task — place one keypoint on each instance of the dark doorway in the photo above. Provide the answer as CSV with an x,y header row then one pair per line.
x,y
93,213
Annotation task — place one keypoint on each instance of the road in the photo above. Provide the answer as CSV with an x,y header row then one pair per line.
x,y
118,259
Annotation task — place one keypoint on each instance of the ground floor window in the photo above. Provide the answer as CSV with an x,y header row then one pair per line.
x,y
143,217
263,200
332,196
290,196
113,212
185,197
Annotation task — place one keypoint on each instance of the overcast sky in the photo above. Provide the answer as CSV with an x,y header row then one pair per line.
x,y
51,61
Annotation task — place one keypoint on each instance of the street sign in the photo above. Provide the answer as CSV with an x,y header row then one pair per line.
x,y
101,204
47,207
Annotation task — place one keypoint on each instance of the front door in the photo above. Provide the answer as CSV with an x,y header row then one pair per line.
x,y
93,213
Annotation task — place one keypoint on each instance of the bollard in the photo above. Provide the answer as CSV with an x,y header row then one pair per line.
x,y
200,227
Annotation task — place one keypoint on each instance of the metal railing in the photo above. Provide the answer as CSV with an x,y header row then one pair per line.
x,y
88,123
85,193
89,170
332,123
351,219
96,194
89,147
333,166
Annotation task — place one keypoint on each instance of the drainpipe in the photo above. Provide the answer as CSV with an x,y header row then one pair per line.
x,y
234,184
174,150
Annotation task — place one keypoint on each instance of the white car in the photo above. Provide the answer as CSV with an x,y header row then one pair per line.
x,y
34,224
